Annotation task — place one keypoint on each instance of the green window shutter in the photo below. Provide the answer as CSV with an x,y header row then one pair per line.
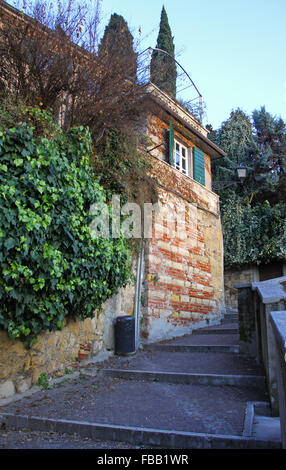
x,y
171,144
199,165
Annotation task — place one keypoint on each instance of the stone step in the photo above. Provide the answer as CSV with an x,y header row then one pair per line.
x,y
259,424
143,403
136,435
195,348
232,319
266,428
231,316
249,381
222,330
197,363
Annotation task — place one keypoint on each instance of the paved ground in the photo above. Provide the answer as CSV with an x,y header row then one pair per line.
x,y
96,398
199,408
26,439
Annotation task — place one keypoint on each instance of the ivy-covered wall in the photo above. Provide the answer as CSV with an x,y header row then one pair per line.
x,y
55,276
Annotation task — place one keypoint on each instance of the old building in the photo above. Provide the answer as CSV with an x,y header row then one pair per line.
x,y
183,286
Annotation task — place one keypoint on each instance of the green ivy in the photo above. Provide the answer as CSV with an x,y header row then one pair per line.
x,y
51,267
252,235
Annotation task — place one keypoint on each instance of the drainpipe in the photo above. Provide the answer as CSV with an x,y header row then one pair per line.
x,y
138,295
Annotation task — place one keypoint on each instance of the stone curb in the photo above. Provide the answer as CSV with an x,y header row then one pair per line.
x,y
136,435
250,381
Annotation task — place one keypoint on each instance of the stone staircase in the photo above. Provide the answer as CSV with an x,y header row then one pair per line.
x,y
195,391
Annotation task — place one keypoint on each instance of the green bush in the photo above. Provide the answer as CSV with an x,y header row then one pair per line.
x,y
51,267
253,235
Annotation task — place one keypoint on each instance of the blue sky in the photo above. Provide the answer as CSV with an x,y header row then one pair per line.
x,y
234,50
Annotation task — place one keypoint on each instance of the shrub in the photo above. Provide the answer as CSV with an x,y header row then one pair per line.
x,y
253,235
51,267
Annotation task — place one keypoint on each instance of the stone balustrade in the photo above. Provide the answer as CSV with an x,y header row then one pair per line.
x,y
278,323
258,302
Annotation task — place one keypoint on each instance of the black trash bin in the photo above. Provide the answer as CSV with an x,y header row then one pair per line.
x,y
124,330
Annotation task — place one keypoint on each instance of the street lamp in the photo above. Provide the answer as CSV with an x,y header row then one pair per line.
x,y
241,172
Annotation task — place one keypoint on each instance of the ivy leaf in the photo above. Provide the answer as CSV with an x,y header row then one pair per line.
x,y
18,161
10,243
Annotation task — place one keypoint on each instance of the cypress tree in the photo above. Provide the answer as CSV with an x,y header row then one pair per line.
x,y
117,45
163,71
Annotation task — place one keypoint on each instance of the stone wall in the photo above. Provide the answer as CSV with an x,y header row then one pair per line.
x,y
53,354
184,263
232,277
57,352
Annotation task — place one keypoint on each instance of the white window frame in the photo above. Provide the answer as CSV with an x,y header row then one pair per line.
x,y
180,157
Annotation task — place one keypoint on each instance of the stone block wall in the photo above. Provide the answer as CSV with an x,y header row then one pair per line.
x,y
52,354
232,277
59,351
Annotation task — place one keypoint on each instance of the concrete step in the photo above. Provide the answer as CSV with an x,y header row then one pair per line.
x,y
259,424
218,330
142,411
229,319
231,316
196,363
249,381
135,435
266,428
161,396
215,342
195,348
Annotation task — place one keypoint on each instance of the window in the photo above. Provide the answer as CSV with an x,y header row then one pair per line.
x,y
181,161
191,163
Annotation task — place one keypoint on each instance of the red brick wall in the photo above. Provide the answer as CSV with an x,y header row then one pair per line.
x,y
179,287
183,262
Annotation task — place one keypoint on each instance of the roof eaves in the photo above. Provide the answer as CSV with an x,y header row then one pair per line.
x,y
216,152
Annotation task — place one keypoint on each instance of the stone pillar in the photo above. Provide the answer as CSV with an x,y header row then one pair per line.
x,y
247,322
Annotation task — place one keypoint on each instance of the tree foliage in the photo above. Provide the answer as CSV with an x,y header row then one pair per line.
x,y
163,67
51,266
235,138
253,213
260,144
124,169
117,46
252,235
49,56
